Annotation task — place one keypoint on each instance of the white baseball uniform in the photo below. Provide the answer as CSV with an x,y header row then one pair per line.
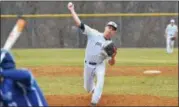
x,y
94,62
170,30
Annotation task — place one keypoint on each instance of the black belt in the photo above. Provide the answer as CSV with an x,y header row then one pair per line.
x,y
91,63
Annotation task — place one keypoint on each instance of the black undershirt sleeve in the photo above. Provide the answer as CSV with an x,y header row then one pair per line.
x,y
82,27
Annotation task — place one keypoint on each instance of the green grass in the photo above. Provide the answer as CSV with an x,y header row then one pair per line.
x,y
157,86
75,57
61,85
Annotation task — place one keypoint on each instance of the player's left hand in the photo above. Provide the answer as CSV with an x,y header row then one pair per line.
x,y
112,60
110,49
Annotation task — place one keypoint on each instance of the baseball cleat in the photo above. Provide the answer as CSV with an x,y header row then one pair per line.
x,y
93,105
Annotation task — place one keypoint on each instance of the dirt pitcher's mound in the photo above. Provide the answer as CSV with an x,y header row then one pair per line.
x,y
111,100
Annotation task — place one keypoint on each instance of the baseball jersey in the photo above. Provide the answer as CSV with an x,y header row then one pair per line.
x,y
19,88
95,43
170,30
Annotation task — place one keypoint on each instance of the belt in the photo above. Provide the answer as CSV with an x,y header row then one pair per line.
x,y
91,63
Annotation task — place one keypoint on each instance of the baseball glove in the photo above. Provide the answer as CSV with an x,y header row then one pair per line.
x,y
110,49
173,38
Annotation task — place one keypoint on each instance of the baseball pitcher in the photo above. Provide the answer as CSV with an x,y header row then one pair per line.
x,y
99,47
171,35
18,88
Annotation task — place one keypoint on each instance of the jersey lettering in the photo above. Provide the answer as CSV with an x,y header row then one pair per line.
x,y
98,44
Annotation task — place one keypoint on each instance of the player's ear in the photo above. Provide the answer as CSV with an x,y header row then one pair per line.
x,y
115,31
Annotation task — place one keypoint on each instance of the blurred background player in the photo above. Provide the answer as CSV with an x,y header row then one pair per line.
x,y
94,59
17,86
171,33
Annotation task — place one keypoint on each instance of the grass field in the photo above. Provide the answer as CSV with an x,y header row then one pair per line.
x,y
160,85
75,57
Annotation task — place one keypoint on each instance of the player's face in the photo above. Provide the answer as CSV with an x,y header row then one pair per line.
x,y
172,23
110,31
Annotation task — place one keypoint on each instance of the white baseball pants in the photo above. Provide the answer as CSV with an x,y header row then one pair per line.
x,y
169,44
90,72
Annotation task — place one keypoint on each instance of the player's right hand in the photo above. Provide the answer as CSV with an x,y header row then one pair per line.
x,y
70,6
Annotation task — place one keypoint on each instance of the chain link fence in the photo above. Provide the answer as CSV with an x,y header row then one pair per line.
x,y
134,31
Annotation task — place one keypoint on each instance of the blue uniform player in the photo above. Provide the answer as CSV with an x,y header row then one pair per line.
x,y
17,86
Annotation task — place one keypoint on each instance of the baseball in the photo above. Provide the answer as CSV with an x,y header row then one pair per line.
x,y
70,4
